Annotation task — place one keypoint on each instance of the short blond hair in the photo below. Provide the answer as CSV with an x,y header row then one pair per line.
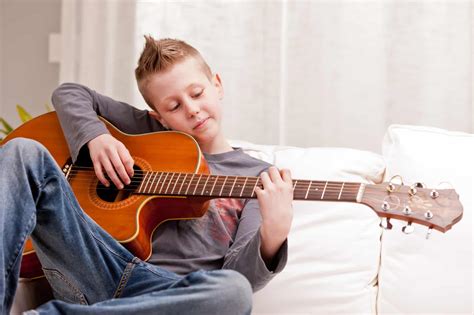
x,y
160,55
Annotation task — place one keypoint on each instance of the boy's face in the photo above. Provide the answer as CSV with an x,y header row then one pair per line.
x,y
186,100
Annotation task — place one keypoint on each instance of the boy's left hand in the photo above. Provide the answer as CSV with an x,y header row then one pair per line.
x,y
275,200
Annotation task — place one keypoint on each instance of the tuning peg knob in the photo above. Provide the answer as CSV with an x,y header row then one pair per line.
x,y
407,210
385,223
428,215
434,194
385,206
390,187
408,229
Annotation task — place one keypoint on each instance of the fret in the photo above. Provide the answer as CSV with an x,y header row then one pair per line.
x,y
324,191
212,189
230,193
307,191
181,187
253,190
243,187
340,192
294,185
237,181
169,183
154,181
204,187
176,182
351,190
222,188
156,185
149,181
189,185
247,190
163,184
197,184
143,181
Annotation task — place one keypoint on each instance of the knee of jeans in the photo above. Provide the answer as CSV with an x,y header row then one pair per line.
x,y
24,147
236,289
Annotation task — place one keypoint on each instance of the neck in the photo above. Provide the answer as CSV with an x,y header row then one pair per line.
x,y
218,186
218,145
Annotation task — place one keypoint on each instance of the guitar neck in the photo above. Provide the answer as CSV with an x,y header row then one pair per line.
x,y
220,186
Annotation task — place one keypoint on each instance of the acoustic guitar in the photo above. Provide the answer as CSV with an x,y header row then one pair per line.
x,y
172,182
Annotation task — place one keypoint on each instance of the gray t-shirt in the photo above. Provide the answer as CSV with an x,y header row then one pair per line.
x,y
227,236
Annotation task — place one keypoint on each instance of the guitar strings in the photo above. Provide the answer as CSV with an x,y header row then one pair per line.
x,y
330,187
219,178
240,183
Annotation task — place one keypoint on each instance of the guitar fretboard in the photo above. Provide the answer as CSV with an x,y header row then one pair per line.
x,y
220,186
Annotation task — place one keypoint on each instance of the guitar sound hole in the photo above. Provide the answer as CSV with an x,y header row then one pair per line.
x,y
112,194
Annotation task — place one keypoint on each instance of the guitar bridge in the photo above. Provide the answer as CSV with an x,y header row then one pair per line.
x,y
67,168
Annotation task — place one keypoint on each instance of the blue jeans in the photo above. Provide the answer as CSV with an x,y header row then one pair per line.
x,y
89,271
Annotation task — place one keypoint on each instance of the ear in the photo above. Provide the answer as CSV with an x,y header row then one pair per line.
x,y
158,117
216,81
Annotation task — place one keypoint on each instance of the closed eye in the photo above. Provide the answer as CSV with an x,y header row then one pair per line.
x,y
175,107
198,93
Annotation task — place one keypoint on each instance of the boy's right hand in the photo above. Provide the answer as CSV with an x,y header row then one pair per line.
x,y
111,155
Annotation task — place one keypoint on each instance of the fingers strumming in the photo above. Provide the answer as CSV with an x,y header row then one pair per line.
x,y
100,174
120,168
109,169
127,160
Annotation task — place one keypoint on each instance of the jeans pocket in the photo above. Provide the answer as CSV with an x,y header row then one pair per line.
x,y
63,289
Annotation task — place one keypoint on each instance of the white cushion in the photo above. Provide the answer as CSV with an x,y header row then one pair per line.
x,y
334,247
429,276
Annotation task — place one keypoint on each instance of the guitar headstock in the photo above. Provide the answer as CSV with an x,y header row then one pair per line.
x,y
437,209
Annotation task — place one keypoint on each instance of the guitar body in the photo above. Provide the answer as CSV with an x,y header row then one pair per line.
x,y
130,219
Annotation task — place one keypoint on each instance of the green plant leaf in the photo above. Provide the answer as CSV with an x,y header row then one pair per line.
x,y
6,126
24,115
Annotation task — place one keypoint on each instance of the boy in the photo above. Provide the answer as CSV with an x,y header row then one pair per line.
x,y
247,236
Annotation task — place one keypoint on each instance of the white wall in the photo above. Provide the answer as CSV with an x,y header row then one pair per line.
x,y
27,78
304,73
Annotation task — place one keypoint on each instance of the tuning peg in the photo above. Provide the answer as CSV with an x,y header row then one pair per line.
x,y
408,229
407,210
391,186
413,188
385,223
419,185
429,232
434,194
429,215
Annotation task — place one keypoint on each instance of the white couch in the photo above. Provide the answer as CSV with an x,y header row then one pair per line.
x,y
340,260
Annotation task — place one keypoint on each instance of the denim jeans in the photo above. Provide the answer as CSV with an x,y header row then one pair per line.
x,y
89,271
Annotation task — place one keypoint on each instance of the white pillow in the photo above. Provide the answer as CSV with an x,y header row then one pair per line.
x,y
334,247
429,276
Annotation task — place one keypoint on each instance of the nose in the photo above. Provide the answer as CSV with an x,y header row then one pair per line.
x,y
192,108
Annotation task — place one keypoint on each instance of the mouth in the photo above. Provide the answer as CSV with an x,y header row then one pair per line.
x,y
201,123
